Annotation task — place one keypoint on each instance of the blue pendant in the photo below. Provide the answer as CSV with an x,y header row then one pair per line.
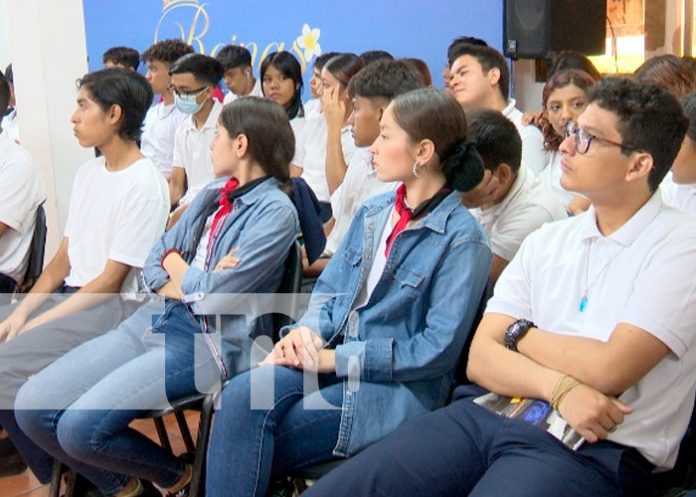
x,y
583,304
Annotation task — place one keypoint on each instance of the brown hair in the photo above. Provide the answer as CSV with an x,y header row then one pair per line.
x,y
422,68
268,131
669,72
344,66
430,114
560,79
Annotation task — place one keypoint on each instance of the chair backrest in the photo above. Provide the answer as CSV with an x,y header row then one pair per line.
x,y
37,252
460,373
289,284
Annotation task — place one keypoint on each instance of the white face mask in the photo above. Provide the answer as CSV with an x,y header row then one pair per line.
x,y
187,103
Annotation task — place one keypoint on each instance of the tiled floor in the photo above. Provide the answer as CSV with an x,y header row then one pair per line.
x,y
25,485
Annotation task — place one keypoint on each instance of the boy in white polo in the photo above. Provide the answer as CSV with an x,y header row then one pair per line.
x,y
594,318
238,74
118,208
21,192
479,78
521,204
163,118
194,79
680,192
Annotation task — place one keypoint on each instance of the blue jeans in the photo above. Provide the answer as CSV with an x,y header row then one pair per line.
x,y
465,449
251,442
29,353
79,408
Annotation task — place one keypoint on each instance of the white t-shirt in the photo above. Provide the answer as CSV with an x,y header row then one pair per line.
x,y
255,92
681,197
114,215
21,192
640,275
192,152
359,184
534,157
10,125
310,154
312,108
527,206
159,130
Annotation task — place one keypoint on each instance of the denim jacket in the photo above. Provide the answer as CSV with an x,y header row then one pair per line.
x,y
264,225
398,352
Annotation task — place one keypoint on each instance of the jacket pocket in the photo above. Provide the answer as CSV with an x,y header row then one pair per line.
x,y
408,278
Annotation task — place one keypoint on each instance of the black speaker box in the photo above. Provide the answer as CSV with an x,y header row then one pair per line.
x,y
534,28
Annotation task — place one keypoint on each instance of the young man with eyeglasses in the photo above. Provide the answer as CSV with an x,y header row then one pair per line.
x,y
194,78
593,318
163,118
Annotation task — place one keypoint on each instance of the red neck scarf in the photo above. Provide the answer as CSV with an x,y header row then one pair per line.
x,y
224,203
405,215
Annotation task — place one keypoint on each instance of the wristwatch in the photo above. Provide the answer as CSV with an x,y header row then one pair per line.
x,y
515,332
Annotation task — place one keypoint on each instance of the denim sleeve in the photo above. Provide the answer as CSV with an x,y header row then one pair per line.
x,y
262,248
455,293
154,277
333,281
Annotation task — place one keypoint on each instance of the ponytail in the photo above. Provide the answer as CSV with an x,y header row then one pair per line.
x,y
463,167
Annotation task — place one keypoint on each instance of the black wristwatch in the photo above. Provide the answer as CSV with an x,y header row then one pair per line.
x,y
515,332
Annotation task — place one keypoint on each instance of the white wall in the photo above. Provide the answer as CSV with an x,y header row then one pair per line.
x,y
4,37
48,52
526,90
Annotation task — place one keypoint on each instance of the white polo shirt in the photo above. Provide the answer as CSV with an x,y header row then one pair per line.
x,y
534,157
641,275
114,215
551,177
681,197
21,192
255,92
528,205
359,184
312,108
192,152
159,129
310,154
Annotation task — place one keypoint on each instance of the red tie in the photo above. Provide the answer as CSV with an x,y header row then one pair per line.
x,y
405,215
224,203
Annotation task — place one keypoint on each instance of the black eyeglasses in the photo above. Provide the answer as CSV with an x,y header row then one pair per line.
x,y
583,138
189,93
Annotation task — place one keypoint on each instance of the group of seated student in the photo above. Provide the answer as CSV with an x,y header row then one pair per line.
x,y
429,198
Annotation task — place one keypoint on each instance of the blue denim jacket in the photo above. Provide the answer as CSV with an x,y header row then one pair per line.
x,y
398,352
264,225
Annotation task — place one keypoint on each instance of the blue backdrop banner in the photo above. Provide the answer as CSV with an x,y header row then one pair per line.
x,y
406,28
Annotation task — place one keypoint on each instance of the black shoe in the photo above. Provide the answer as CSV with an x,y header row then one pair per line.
x,y
180,493
85,488
149,490
11,462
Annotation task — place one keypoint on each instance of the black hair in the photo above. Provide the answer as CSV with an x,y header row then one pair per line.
x,y
371,56
385,79
322,59
430,114
271,141
9,74
125,88
343,67
4,95
287,64
689,105
569,59
496,138
650,119
123,56
489,58
203,67
233,56
464,40
167,51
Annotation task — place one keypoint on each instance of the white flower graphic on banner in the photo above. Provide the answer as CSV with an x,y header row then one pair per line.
x,y
309,42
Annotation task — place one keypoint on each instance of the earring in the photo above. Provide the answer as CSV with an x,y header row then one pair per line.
x,y
417,170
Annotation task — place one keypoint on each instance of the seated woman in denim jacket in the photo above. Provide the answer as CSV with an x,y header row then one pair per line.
x,y
79,409
387,319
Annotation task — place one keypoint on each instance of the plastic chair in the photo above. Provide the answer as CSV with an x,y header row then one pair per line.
x,y
37,251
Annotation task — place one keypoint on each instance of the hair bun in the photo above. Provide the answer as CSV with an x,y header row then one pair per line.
x,y
463,167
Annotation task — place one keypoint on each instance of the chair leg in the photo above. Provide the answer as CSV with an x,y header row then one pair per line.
x,y
185,432
54,489
198,472
162,434
71,478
